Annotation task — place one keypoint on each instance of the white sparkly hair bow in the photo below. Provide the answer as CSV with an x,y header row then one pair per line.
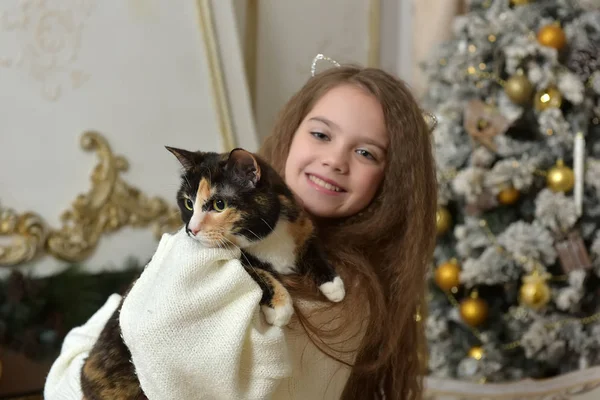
x,y
430,118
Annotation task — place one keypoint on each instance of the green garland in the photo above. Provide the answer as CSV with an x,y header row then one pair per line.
x,y
37,313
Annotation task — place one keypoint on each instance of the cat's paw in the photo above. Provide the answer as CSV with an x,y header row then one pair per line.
x,y
279,315
334,290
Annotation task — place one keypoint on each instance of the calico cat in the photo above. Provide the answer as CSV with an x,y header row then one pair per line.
x,y
227,199
238,199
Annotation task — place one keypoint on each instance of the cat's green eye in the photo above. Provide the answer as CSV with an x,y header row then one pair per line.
x,y
219,205
189,204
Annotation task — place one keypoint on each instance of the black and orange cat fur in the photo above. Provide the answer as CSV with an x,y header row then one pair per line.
x,y
231,199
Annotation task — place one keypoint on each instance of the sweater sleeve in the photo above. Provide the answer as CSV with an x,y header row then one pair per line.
x,y
62,382
193,325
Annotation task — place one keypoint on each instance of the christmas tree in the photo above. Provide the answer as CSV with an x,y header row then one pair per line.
x,y
515,283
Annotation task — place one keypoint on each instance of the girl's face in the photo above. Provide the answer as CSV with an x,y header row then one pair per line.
x,y
338,154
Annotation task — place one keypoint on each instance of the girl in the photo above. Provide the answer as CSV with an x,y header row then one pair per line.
x,y
354,147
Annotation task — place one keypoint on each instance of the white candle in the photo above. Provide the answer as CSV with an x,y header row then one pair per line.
x,y
578,167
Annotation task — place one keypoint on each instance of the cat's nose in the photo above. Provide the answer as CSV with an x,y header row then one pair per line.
x,y
195,224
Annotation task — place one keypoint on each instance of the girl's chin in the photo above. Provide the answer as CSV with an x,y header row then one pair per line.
x,y
320,211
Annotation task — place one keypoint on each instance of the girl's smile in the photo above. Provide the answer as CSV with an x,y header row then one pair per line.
x,y
324,185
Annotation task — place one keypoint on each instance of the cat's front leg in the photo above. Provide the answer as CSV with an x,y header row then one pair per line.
x,y
314,262
276,302
334,290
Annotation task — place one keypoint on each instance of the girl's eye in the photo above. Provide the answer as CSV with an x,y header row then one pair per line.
x,y
219,205
320,136
189,204
365,154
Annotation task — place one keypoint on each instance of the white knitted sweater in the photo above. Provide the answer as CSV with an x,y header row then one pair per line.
x,y
195,330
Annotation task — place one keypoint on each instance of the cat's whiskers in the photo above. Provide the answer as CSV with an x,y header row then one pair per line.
x,y
224,238
247,260
221,243
272,229
249,230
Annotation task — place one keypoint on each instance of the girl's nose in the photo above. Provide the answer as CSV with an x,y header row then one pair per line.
x,y
336,160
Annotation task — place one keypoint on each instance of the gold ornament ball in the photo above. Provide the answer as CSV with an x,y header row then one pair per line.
x,y
508,196
560,178
443,220
552,35
518,88
447,275
474,311
535,294
476,352
548,98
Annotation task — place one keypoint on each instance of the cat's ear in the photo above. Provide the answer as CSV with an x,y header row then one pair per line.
x,y
186,158
245,165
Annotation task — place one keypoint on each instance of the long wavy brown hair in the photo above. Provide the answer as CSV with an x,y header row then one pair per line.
x,y
383,254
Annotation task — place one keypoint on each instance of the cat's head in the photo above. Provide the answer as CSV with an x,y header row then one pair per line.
x,y
225,199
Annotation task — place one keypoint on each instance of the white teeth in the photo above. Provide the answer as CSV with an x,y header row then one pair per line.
x,y
324,184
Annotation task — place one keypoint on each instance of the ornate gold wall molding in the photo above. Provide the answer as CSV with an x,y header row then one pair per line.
x,y
110,205
28,232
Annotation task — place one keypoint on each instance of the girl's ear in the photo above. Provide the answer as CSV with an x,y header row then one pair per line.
x,y
244,165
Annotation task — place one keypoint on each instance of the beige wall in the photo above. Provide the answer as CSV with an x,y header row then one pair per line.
x,y
288,34
432,22
280,38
